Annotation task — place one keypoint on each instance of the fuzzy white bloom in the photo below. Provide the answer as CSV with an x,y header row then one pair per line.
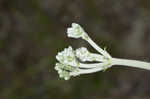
x,y
84,55
65,70
70,66
67,57
76,31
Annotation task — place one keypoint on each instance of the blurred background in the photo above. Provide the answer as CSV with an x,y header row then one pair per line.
x,y
33,31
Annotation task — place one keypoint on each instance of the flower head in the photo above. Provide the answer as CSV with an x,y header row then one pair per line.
x,y
64,71
68,63
84,55
76,31
67,57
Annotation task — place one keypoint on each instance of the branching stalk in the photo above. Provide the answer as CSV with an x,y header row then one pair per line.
x,y
70,61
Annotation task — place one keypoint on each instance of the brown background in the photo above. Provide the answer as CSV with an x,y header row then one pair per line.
x,y
33,31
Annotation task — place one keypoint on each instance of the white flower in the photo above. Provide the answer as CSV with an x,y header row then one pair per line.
x,y
67,57
76,31
84,55
65,70
69,64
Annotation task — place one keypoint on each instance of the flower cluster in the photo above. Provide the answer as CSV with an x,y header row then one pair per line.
x,y
69,60
84,55
68,63
67,57
64,70
76,31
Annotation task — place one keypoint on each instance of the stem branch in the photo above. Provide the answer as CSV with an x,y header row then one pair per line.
x,y
131,63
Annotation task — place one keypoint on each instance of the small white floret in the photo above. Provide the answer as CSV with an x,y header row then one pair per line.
x,y
67,57
76,31
84,55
